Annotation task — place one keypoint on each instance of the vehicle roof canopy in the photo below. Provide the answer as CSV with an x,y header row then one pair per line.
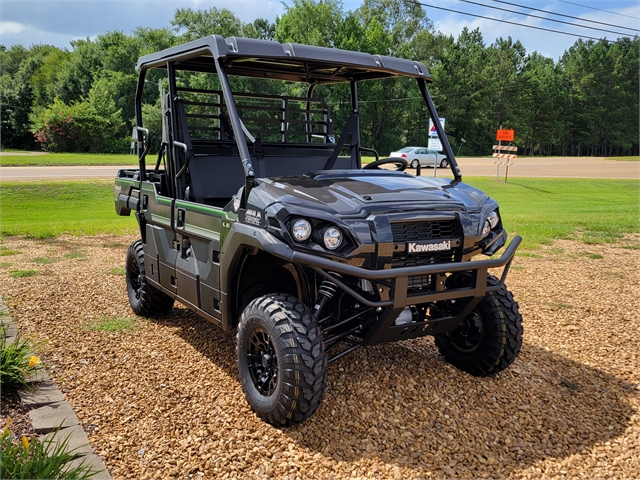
x,y
282,61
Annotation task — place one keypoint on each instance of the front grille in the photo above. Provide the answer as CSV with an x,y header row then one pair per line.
x,y
424,258
417,231
418,282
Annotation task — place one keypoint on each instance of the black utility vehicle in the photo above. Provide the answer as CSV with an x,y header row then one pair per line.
x,y
258,218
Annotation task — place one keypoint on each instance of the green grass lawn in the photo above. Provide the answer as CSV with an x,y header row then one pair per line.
x,y
53,159
540,210
48,209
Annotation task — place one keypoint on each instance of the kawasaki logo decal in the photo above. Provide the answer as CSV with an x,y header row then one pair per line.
x,y
415,247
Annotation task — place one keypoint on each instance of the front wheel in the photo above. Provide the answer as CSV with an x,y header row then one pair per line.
x,y
145,300
444,163
281,359
489,339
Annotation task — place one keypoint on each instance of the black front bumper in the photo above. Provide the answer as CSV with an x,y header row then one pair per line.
x,y
397,280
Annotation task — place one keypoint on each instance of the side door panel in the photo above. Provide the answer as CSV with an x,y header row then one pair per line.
x,y
431,158
197,229
422,156
160,254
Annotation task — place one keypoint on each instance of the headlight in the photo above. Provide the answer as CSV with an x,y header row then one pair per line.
x,y
332,238
301,230
493,219
486,230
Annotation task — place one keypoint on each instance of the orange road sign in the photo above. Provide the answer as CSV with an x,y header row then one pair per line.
x,y
505,135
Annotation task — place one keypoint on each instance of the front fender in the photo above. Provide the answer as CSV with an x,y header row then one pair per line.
x,y
240,237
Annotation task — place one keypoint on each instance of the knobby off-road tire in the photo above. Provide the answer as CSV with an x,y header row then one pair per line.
x,y
489,340
281,359
145,300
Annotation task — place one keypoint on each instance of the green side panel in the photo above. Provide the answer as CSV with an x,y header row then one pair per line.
x,y
156,209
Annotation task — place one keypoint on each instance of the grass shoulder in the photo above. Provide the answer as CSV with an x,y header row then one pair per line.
x,y
67,159
624,159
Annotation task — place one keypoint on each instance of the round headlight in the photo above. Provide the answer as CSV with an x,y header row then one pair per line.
x,y
493,219
486,230
332,238
301,229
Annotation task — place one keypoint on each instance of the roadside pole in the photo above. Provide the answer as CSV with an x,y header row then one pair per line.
x,y
498,163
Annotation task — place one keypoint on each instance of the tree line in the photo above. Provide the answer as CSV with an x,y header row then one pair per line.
x,y
586,103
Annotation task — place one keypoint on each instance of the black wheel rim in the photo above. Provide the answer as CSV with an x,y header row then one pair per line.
x,y
134,278
263,362
468,335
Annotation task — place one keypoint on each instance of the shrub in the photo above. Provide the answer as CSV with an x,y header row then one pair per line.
x,y
78,127
16,361
39,459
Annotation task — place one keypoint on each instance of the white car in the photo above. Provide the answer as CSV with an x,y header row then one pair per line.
x,y
422,155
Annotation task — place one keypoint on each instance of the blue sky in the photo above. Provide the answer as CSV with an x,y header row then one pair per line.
x,y
57,22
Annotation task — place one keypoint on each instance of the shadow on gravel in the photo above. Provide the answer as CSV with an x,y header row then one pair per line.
x,y
403,404
412,409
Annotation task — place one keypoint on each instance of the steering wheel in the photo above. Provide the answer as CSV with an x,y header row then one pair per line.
x,y
401,163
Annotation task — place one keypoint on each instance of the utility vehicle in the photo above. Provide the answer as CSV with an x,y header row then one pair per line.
x,y
254,214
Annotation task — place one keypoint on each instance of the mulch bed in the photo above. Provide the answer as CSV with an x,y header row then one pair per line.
x,y
162,398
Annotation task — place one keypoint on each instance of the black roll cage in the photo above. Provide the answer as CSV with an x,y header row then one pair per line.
x,y
263,58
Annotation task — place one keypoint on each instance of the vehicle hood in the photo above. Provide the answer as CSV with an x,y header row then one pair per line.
x,y
349,192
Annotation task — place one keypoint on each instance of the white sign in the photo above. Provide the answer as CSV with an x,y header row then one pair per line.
x,y
434,144
432,128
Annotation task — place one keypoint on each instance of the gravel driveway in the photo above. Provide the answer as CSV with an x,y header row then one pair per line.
x,y
162,400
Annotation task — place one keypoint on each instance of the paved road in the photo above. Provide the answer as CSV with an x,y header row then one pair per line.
x,y
560,167
59,173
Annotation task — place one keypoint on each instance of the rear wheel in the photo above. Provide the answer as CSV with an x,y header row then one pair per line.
x,y
281,360
444,163
145,300
489,339
414,163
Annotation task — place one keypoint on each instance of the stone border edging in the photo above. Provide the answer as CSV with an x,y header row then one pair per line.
x,y
49,410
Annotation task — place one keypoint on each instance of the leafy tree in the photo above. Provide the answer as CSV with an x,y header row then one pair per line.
x,y
402,19
194,24
154,39
310,22
17,93
260,28
44,79
459,91
76,76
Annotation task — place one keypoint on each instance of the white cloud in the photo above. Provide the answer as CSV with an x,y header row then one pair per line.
x,y
11,28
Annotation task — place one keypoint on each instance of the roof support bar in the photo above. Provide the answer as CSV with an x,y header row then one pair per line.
x,y
238,132
356,156
457,174
138,107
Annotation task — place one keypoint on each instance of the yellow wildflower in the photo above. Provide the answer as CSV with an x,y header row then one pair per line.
x,y
33,361
6,428
25,444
